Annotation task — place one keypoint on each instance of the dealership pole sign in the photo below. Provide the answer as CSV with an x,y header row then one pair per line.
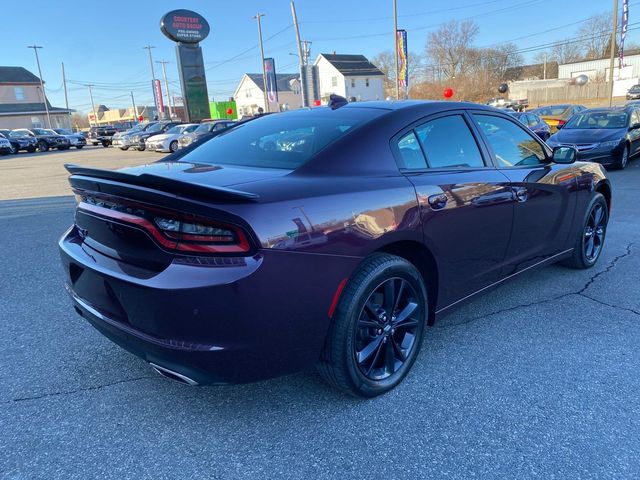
x,y
157,94
188,29
403,77
623,30
272,83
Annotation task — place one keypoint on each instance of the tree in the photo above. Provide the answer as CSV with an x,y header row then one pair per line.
x,y
79,120
451,47
597,34
386,62
567,51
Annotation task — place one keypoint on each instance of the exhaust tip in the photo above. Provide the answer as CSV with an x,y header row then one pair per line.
x,y
178,377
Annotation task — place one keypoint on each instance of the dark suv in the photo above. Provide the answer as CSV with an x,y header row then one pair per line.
x,y
19,141
45,137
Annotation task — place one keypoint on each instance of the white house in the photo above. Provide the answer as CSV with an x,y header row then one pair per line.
x,y
249,95
350,76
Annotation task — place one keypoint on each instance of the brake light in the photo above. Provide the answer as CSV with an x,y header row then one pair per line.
x,y
561,122
172,230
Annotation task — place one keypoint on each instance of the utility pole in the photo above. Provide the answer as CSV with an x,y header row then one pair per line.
x,y
395,47
301,57
166,84
93,105
153,77
264,72
44,95
544,67
613,49
64,84
135,110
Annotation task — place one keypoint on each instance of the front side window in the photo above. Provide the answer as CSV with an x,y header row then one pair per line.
x,y
512,146
448,143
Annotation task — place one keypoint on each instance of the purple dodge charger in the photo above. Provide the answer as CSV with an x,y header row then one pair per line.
x,y
328,237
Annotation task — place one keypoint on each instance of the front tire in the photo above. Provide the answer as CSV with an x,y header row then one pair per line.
x,y
173,146
377,328
43,147
589,244
124,148
623,159
79,147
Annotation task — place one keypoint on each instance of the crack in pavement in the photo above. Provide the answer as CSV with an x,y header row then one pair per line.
x,y
580,292
78,390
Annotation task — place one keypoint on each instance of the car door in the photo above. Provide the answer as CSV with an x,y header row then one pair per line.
x,y
466,205
634,131
544,191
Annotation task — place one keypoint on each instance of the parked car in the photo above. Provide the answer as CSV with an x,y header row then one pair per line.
x,y
75,139
138,139
122,140
324,237
633,93
609,136
46,138
102,135
517,105
557,115
534,123
168,142
20,142
204,130
5,146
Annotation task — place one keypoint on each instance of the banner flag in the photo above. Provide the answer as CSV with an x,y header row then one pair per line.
x,y
403,76
272,84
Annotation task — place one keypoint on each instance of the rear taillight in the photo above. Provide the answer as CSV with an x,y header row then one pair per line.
x,y
172,230
561,122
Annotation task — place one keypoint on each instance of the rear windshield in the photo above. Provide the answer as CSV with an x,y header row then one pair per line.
x,y
552,110
598,120
285,140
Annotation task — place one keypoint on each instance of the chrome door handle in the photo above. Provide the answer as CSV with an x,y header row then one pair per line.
x,y
522,194
437,201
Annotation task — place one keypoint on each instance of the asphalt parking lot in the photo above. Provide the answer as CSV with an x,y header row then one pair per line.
x,y
537,379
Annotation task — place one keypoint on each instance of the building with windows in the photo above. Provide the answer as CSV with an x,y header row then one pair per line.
x,y
353,77
249,95
22,102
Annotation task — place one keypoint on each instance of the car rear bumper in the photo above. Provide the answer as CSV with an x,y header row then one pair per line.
x,y
216,319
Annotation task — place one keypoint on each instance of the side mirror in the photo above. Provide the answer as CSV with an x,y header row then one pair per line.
x,y
565,155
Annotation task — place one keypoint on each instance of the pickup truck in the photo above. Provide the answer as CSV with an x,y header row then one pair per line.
x,y
101,135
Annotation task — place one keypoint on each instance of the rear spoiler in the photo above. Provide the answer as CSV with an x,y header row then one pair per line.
x,y
168,185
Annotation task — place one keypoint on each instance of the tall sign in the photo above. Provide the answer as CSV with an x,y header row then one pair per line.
x,y
623,31
403,76
188,29
272,82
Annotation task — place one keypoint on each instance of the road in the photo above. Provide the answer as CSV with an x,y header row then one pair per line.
x,y
537,379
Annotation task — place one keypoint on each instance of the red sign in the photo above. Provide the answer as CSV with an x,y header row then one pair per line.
x,y
157,92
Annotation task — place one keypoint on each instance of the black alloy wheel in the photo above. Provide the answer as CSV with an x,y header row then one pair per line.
x,y
387,329
377,328
589,244
593,237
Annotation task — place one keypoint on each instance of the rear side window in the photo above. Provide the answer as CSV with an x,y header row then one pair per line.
x,y
410,152
513,146
448,142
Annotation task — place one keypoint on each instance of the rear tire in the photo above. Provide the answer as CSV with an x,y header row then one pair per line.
x,y
31,149
377,328
588,246
79,147
43,147
124,148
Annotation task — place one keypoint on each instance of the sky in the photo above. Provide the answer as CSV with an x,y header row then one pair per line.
x,y
102,42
